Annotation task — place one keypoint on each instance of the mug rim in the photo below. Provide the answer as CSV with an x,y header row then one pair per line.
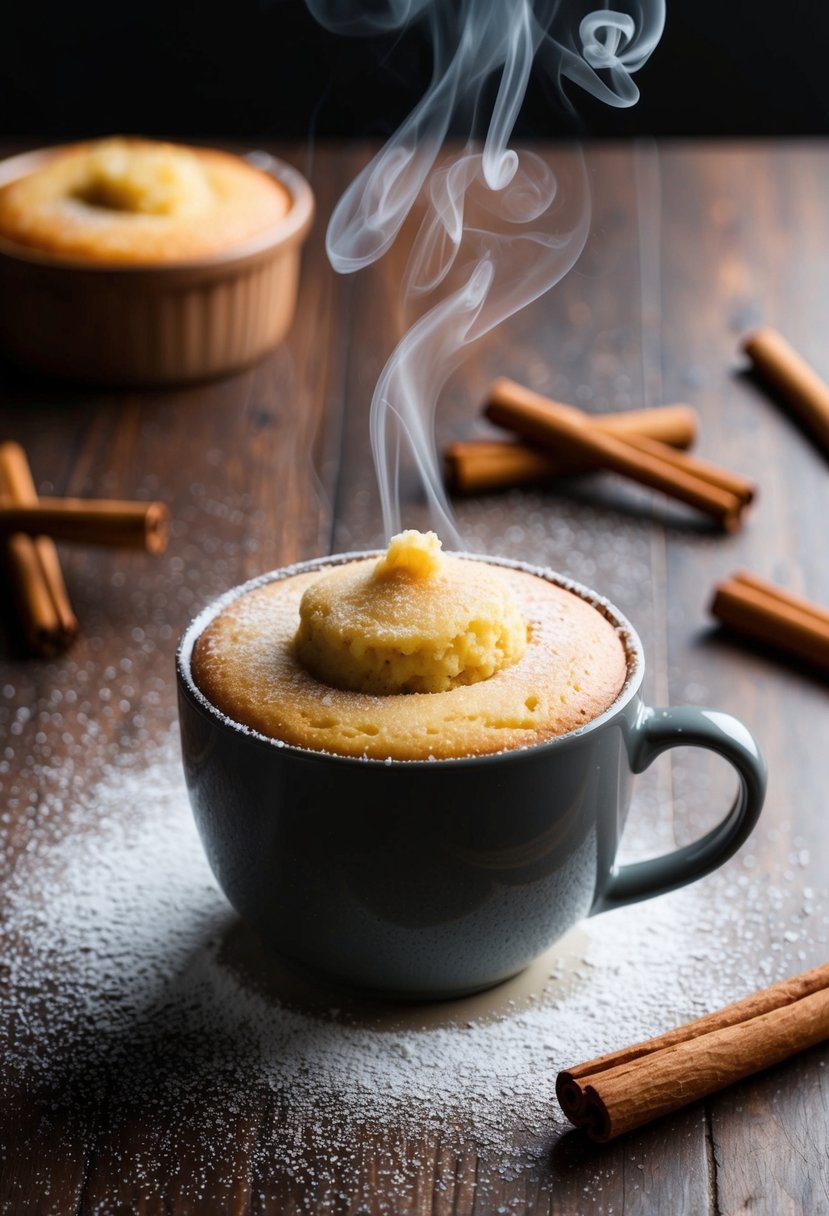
x,y
628,636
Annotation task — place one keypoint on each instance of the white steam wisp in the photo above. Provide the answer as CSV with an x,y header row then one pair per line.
x,y
501,227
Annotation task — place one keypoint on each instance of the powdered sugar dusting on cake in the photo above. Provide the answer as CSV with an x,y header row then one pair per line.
x,y
263,615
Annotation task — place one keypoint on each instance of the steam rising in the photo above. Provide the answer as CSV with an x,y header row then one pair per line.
x,y
501,226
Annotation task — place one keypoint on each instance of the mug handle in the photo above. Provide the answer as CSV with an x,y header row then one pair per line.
x,y
654,732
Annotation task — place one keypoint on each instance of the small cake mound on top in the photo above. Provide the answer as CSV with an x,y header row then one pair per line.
x,y
149,178
131,200
414,621
419,655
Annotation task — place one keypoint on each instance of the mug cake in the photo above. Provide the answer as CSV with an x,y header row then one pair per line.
x,y
414,655
138,261
357,738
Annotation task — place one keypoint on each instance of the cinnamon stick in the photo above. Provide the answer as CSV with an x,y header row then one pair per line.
x,y
478,465
562,428
778,363
775,617
626,1089
49,624
133,525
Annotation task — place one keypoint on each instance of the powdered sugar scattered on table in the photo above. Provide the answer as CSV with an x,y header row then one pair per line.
x,y
125,960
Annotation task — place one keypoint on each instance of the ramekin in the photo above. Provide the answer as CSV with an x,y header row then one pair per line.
x,y
152,324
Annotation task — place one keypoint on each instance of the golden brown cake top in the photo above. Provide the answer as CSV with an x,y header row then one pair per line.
x,y
574,665
131,200
416,620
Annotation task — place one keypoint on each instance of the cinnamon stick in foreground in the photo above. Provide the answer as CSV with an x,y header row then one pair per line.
x,y
130,525
477,465
768,614
564,429
35,576
626,1089
777,362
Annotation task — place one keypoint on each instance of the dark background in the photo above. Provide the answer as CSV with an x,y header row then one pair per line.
x,y
243,67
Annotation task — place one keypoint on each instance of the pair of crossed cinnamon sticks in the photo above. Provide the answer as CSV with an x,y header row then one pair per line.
x,y
768,614
619,1092
29,526
645,445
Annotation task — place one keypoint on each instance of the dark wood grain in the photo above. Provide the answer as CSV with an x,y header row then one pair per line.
x,y
752,255
690,245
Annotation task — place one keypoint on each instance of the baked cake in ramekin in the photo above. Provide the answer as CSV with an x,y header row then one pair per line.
x,y
136,261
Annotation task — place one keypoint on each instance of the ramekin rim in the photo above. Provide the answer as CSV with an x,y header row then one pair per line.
x,y
292,227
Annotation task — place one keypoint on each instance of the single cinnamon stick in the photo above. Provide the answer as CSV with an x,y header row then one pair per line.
x,y
777,362
626,1089
132,525
770,615
474,466
672,424
561,428
49,624
714,474
486,464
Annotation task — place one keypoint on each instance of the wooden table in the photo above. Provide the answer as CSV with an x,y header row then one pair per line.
x,y
691,245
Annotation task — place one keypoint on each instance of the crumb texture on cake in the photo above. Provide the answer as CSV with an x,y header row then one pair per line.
x,y
131,200
246,664
416,620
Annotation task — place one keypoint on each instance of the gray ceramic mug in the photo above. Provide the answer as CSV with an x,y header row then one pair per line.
x,y
428,879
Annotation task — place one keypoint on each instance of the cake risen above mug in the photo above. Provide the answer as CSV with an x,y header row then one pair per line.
x,y
136,261
412,655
